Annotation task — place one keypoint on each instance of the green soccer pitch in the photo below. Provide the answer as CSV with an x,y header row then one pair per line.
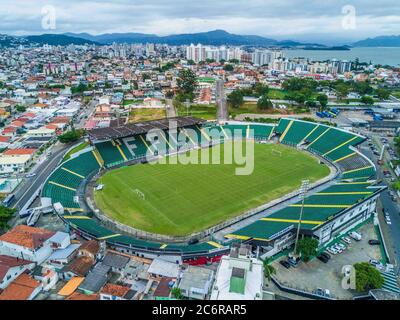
x,y
178,199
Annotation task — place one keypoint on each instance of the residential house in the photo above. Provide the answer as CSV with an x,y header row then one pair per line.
x,y
196,282
116,262
163,290
22,288
161,268
11,268
96,279
117,292
27,243
16,160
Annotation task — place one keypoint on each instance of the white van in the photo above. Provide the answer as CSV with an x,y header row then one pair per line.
x,y
355,235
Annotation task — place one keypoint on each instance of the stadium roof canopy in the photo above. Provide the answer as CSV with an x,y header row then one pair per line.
x,y
131,129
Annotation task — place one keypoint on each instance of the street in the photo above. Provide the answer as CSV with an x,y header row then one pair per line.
x,y
393,236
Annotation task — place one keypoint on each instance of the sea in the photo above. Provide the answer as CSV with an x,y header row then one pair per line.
x,y
379,55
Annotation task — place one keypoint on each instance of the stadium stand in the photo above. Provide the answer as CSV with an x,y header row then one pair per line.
x,y
120,144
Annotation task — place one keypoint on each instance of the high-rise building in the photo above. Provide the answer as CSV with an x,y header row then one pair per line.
x,y
196,53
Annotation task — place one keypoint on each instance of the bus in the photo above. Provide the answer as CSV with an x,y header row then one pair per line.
x,y
8,200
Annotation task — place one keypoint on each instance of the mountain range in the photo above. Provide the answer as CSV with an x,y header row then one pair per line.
x,y
216,37
382,41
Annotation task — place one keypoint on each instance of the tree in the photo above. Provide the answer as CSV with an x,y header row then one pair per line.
x,y
362,88
367,100
269,270
307,247
342,90
71,136
260,89
169,94
177,293
297,84
323,100
235,99
264,102
228,67
20,108
367,277
5,216
296,96
397,144
79,89
383,94
187,82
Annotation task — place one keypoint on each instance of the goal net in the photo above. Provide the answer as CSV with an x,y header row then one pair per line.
x,y
140,194
276,153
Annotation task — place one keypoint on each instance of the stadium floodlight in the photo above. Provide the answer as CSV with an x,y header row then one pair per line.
x,y
303,191
187,104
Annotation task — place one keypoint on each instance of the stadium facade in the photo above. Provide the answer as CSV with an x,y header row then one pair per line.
x,y
348,201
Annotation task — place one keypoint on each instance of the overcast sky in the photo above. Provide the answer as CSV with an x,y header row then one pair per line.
x,y
319,20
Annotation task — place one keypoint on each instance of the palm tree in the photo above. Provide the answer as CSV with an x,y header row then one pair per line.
x,y
269,270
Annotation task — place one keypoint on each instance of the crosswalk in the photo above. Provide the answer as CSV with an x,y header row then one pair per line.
x,y
390,283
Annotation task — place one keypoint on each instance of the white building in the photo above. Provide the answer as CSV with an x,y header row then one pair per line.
x,y
11,268
196,282
28,243
239,276
196,53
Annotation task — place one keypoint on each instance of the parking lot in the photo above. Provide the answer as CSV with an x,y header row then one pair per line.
x,y
316,274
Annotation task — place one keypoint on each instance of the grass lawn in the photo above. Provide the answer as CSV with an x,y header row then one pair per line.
x,y
79,147
207,112
276,94
145,114
182,199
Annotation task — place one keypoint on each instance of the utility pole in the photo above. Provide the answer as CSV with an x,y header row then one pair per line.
x,y
303,192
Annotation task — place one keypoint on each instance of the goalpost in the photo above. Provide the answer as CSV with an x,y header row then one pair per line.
x,y
140,194
276,152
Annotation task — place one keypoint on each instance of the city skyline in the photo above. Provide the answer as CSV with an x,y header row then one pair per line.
x,y
329,22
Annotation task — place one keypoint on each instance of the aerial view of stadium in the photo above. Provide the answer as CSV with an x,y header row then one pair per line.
x,y
199,155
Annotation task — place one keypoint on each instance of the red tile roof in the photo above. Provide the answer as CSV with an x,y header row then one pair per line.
x,y
17,152
81,296
27,237
20,289
7,262
115,290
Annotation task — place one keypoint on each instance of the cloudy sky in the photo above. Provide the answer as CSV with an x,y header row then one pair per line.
x,y
311,20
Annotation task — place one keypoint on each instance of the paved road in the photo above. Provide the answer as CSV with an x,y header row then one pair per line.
x,y
44,169
24,193
392,208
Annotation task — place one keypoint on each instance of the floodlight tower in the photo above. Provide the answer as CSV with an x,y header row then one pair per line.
x,y
303,191
187,104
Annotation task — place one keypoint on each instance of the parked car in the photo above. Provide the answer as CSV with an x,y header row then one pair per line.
x,y
355,235
341,246
332,250
374,242
346,240
387,219
323,293
376,264
327,255
285,264
322,258
30,175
